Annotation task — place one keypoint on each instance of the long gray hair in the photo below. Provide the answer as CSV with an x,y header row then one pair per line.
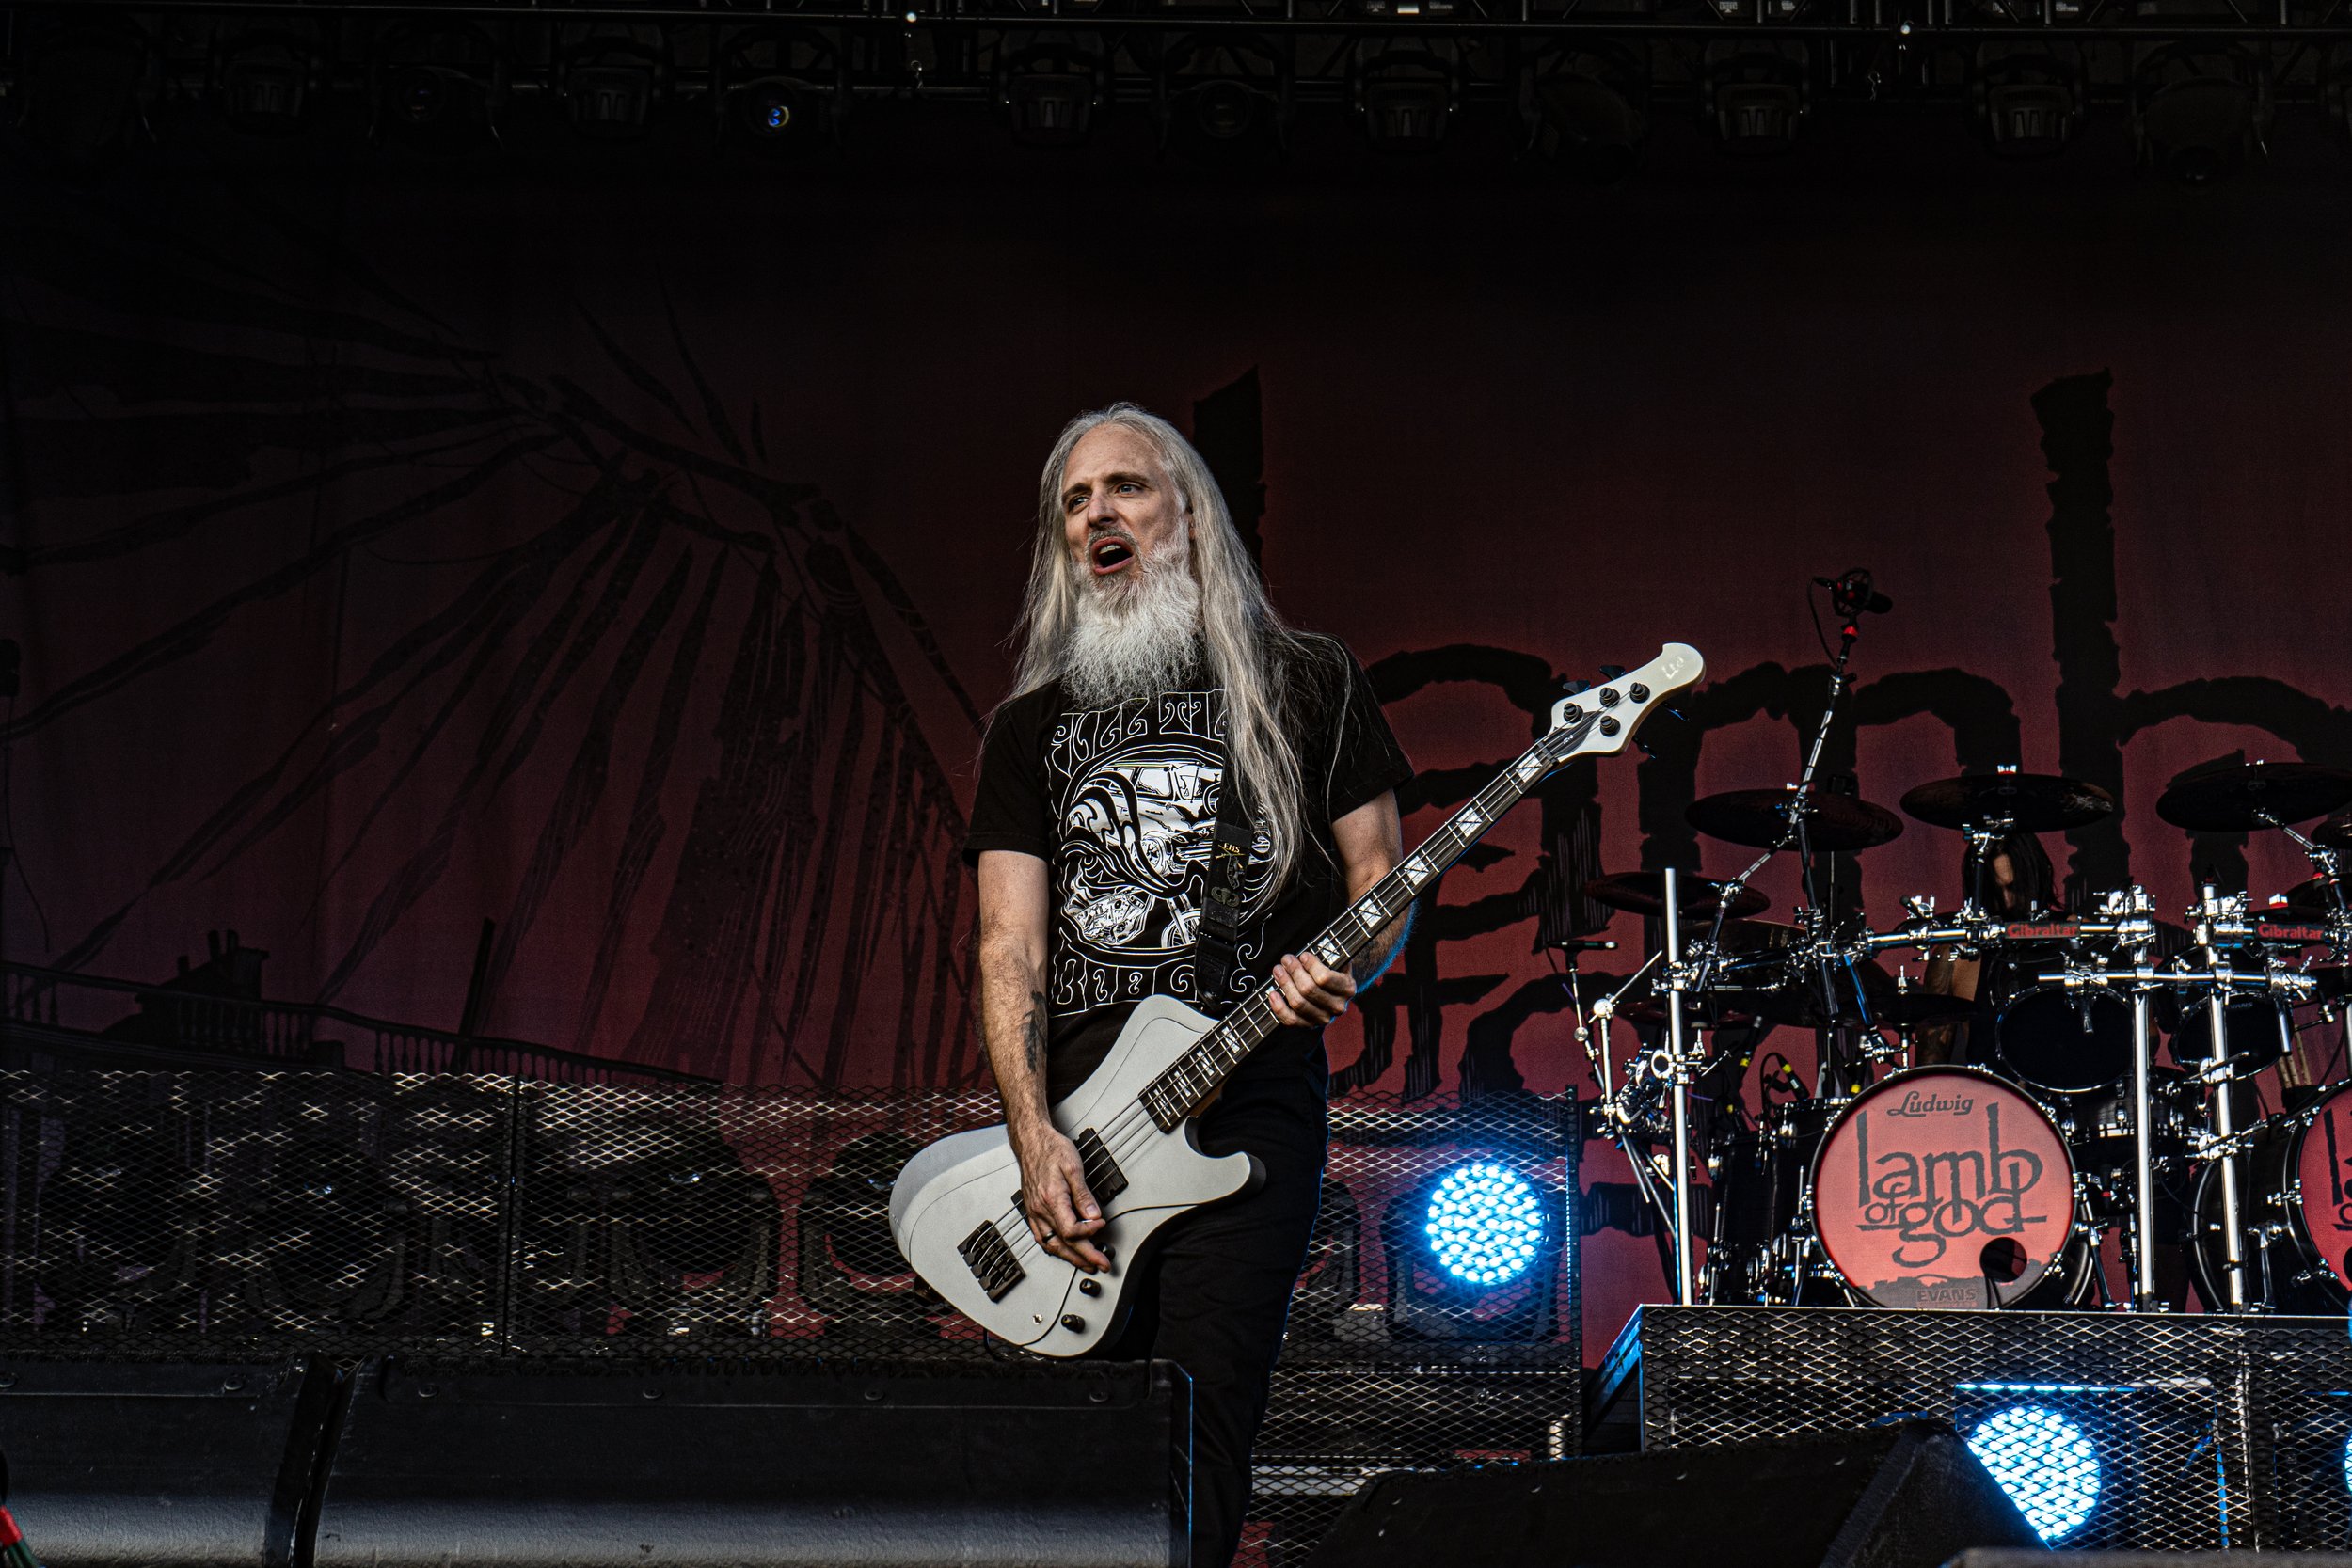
x,y
1250,653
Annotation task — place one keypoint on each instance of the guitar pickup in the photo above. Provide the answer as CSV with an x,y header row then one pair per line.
x,y
1105,1179
991,1261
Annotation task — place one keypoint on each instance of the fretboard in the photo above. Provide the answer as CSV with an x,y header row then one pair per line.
x,y
1195,1075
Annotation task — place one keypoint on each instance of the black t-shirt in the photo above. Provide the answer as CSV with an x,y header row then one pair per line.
x,y
1120,804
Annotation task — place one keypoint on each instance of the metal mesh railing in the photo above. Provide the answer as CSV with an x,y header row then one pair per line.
x,y
472,1216
2146,1431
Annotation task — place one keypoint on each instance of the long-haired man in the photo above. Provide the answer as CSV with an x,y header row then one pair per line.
x,y
1155,676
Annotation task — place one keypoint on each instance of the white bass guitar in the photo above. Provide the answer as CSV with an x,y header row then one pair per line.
x,y
955,1208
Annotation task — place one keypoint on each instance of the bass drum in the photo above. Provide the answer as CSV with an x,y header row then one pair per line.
x,y
2068,1041
2295,1207
1944,1187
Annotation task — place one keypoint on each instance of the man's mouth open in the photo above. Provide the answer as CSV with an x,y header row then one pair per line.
x,y
1110,554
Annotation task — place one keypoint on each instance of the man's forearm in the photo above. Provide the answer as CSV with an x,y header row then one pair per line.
x,y
1373,960
1013,1017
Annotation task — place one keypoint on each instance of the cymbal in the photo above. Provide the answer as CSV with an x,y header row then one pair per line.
x,y
2033,803
1644,893
1757,817
2336,833
2228,799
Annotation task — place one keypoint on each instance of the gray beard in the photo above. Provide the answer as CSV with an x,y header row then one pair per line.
x,y
1131,639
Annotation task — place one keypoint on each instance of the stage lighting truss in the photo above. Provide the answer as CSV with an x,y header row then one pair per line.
x,y
438,85
1577,81
2046,1462
1472,1252
781,90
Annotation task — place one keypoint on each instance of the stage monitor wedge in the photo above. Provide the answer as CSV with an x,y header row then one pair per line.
x,y
1908,1495
142,1464
584,1465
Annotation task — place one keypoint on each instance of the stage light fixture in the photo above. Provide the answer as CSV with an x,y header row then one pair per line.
x,y
2047,1464
2029,105
1406,99
263,83
1758,97
1473,1252
2347,1464
783,92
79,91
848,1263
611,84
437,87
1588,113
1050,93
1485,1223
2198,109
1223,99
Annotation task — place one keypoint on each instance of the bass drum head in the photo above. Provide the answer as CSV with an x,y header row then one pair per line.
x,y
2284,1271
2069,1040
1944,1187
2323,1172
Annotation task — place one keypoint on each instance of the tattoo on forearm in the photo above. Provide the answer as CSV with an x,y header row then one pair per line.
x,y
1034,1041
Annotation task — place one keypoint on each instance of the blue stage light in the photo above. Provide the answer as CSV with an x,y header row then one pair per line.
x,y
1485,1224
2347,1464
2045,1461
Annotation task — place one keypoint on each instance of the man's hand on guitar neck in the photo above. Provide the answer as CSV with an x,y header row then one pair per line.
x,y
1062,1213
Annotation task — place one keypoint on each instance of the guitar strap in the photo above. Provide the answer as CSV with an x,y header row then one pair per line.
x,y
1213,955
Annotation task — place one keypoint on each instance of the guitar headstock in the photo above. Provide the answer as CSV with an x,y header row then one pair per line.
x,y
1600,719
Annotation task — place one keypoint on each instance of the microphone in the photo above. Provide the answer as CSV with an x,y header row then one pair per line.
x,y
1853,594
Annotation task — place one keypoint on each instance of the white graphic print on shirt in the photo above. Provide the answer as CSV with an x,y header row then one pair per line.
x,y
1135,790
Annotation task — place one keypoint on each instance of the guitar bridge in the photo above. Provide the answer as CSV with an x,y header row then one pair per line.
x,y
1105,1179
991,1261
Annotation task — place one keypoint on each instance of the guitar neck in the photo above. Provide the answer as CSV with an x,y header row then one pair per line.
x,y
1197,1073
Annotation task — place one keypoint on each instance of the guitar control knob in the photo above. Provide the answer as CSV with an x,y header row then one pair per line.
x,y
1609,725
1073,1323
1609,696
1090,1287
1639,692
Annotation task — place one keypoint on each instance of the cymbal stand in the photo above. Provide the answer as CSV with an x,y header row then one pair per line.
x,y
1678,1071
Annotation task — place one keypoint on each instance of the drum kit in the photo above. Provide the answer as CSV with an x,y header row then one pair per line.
x,y
2057,1079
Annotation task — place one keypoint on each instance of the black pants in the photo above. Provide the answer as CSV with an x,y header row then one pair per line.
x,y
1216,1287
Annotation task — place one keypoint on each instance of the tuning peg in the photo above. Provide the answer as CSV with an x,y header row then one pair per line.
x,y
1573,687
1611,671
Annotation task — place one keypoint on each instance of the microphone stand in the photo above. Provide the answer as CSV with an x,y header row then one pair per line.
x,y
1800,808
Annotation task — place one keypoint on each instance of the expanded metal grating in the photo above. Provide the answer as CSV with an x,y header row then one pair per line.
x,y
177,1214
2149,1432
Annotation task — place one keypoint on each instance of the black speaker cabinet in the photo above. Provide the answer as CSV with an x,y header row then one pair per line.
x,y
781,1466
127,1465
1906,1495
